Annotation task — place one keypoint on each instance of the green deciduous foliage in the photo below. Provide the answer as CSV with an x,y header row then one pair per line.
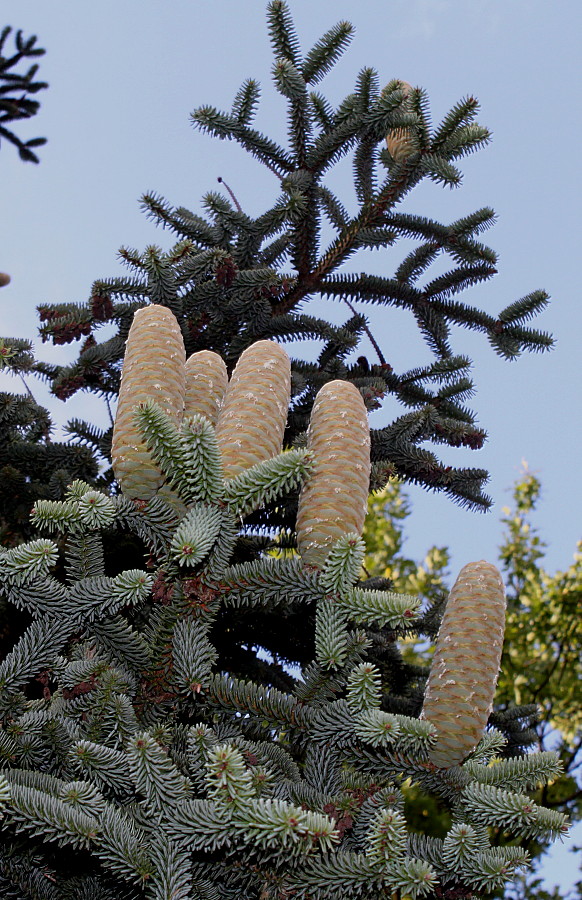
x,y
544,624
542,660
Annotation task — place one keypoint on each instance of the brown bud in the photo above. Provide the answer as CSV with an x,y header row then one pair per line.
x,y
251,422
206,381
4,279
333,501
463,674
153,369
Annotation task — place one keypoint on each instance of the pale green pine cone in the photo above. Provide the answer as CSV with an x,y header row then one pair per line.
x,y
463,675
333,501
206,381
251,422
153,369
399,145
398,140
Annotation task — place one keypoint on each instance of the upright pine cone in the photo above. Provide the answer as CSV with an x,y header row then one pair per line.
x,y
398,140
252,420
463,674
206,381
333,501
153,368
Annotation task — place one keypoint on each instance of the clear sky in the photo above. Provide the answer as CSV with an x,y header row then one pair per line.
x,y
124,76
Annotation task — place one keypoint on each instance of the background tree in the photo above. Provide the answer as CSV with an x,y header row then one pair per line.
x,y
32,465
544,622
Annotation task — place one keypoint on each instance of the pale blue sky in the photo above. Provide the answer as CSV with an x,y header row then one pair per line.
x,y
124,76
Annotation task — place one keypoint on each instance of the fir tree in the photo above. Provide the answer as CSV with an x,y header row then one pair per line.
x,y
172,758
32,467
233,279
171,777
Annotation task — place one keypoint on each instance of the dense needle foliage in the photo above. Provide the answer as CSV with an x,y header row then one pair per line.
x,y
232,279
141,725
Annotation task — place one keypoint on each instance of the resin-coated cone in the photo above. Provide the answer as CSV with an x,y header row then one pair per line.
x,y
206,381
333,501
251,422
463,674
153,369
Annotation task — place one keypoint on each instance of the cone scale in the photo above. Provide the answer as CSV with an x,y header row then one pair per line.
x,y
251,422
153,369
463,675
333,501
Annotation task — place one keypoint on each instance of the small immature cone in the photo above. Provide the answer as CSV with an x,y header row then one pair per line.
x,y
206,381
463,674
4,279
153,369
333,501
398,141
251,422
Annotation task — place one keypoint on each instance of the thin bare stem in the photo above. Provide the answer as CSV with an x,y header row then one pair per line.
x,y
30,394
232,196
109,411
370,335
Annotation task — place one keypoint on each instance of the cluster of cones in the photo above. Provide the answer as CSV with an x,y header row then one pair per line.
x,y
249,413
